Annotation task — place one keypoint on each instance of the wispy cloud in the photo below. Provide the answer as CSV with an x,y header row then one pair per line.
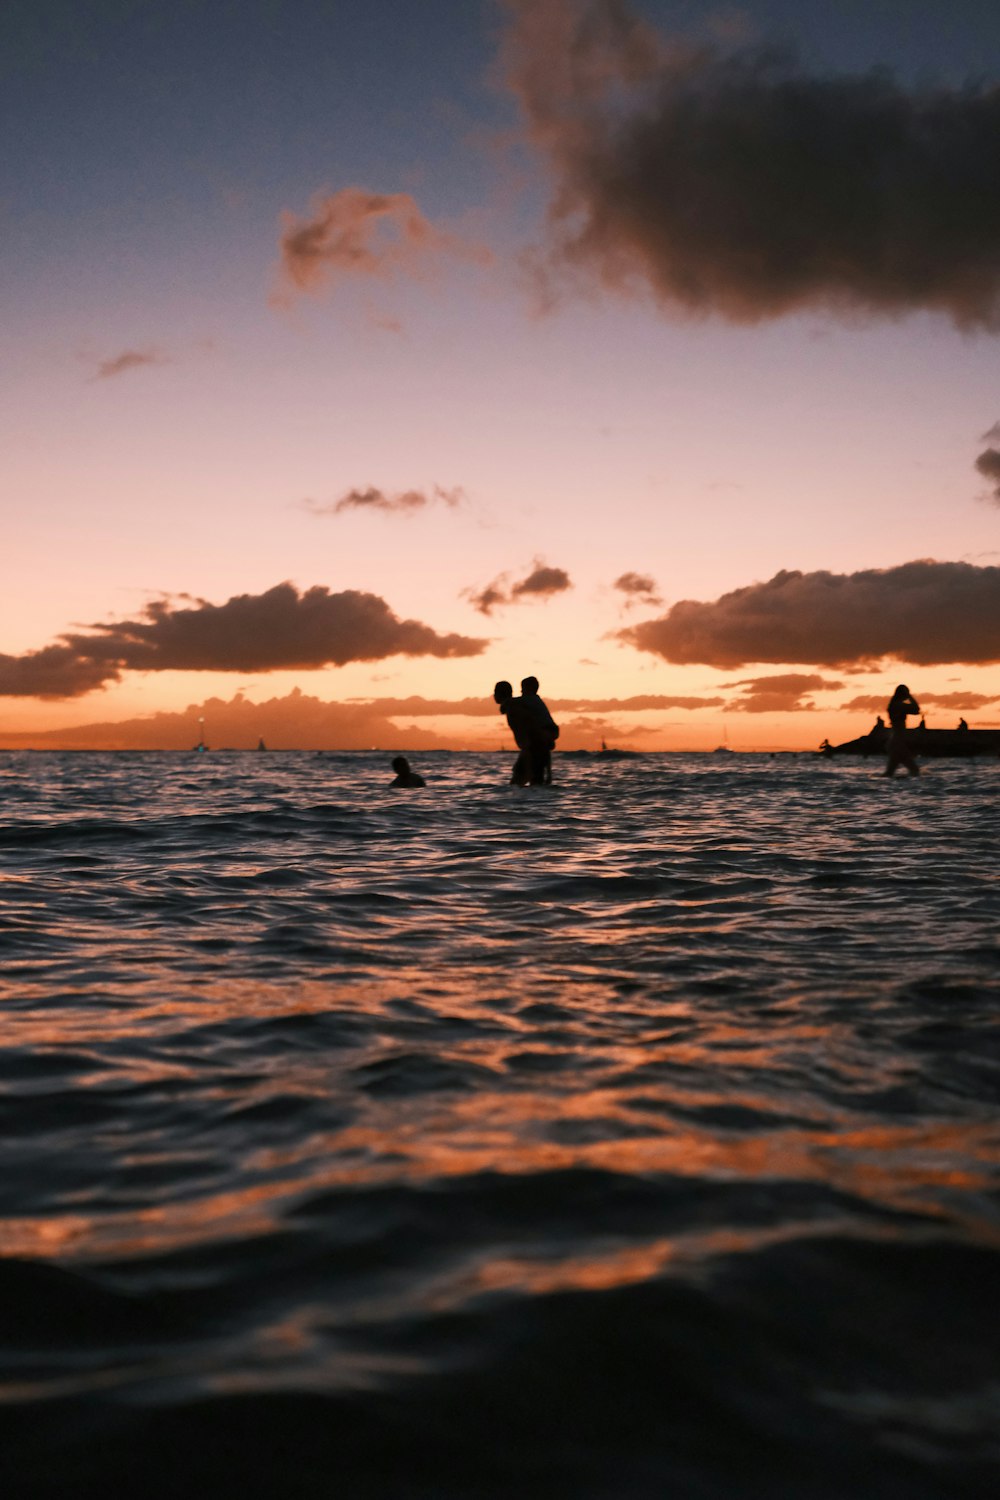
x,y
402,502
423,708
129,359
358,233
542,582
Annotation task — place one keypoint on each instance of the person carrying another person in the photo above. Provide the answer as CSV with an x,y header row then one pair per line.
x,y
543,729
514,712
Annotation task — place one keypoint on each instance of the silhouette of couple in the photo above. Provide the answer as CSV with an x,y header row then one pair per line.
x,y
534,729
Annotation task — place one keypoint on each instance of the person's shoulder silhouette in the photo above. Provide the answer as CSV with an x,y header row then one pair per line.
x,y
404,775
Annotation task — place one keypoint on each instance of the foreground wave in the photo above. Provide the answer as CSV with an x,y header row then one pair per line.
x,y
629,1138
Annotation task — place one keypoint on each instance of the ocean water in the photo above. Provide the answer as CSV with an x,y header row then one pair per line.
x,y
633,1138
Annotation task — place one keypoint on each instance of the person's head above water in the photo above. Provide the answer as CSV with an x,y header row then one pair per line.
x,y
529,684
404,775
502,691
902,691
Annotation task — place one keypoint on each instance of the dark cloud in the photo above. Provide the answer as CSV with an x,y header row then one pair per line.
x,y
355,232
961,702
736,183
921,612
131,359
787,682
53,672
404,502
782,692
541,583
958,702
868,702
988,464
638,588
279,629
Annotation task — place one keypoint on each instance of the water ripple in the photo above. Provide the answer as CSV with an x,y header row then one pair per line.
x,y
629,1138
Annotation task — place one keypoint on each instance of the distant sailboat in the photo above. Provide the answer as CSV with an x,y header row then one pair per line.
x,y
725,748
260,744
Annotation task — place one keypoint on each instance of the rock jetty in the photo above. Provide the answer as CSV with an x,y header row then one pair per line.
x,y
924,741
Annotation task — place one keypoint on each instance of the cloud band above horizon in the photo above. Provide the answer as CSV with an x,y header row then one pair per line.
x,y
928,613
276,630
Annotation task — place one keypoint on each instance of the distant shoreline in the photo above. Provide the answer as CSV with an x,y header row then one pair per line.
x,y
418,752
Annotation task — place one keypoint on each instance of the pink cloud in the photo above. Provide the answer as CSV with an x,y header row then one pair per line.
x,y
355,232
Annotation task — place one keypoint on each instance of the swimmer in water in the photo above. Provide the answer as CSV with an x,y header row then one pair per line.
x,y
899,753
404,776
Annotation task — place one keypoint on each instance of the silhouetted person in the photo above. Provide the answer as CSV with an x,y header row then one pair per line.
x,y
962,726
543,729
404,776
513,711
899,753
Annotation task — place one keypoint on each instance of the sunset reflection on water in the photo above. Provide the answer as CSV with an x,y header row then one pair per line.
x,y
351,1095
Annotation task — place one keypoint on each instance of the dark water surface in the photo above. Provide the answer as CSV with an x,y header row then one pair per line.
x,y
637,1138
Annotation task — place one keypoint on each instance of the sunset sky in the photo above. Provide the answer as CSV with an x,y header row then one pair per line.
x,y
361,352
